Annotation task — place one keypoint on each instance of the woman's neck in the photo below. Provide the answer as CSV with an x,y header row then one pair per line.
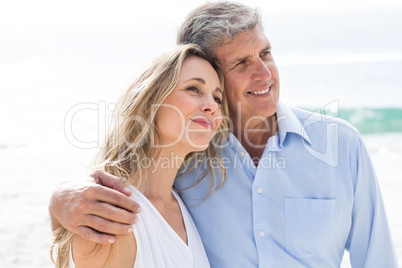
x,y
161,174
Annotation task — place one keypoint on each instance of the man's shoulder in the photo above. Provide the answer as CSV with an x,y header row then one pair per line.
x,y
316,120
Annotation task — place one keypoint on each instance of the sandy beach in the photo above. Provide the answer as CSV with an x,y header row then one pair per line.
x,y
30,173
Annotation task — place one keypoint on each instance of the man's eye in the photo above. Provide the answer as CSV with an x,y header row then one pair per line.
x,y
265,54
241,63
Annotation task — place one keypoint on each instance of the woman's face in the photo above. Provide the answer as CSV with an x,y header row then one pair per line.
x,y
191,114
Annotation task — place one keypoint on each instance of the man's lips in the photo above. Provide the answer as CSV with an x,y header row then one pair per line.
x,y
265,91
205,122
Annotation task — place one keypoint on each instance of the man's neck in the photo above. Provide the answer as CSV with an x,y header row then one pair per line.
x,y
254,138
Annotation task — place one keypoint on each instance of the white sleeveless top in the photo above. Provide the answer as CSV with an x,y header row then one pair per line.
x,y
158,245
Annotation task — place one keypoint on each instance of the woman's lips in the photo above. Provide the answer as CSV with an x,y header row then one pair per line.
x,y
205,122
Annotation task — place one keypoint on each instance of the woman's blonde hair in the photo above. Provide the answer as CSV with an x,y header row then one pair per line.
x,y
134,131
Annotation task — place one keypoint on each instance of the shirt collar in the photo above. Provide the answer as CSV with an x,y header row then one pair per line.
x,y
289,123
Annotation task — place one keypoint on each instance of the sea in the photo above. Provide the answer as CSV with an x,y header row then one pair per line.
x,y
58,87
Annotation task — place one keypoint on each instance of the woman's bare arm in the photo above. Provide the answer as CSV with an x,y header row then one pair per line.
x,y
88,254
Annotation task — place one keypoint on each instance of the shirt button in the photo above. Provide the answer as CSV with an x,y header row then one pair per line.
x,y
261,233
259,190
242,153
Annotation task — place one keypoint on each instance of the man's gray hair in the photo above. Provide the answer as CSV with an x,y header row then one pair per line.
x,y
213,24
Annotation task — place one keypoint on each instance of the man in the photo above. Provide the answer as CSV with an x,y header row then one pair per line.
x,y
300,188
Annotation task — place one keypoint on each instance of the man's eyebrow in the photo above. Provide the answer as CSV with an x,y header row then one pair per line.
x,y
238,60
266,48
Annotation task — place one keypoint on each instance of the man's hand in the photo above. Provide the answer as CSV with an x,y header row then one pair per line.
x,y
95,211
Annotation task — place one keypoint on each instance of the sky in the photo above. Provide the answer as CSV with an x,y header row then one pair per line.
x,y
54,54
30,28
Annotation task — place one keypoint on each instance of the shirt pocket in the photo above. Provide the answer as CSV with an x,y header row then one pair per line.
x,y
310,225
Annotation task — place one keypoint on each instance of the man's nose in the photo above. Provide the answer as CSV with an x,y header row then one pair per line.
x,y
261,71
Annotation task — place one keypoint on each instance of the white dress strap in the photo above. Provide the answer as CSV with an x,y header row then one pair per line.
x,y
158,245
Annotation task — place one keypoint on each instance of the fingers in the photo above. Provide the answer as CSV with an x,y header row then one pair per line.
x,y
103,226
112,213
103,178
93,211
113,197
96,237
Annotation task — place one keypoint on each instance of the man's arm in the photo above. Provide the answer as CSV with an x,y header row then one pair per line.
x,y
94,210
370,243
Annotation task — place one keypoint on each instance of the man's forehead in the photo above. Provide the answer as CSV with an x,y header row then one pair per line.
x,y
229,55
243,45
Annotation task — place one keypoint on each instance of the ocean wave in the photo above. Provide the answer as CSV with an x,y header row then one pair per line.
x,y
338,58
371,120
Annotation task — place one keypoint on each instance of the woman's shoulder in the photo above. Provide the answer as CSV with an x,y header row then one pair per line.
x,y
119,254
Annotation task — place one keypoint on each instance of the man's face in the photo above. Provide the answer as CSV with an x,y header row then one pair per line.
x,y
251,76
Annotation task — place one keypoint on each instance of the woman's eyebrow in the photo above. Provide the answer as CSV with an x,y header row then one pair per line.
x,y
202,81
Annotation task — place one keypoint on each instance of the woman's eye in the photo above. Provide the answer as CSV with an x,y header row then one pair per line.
x,y
218,100
196,90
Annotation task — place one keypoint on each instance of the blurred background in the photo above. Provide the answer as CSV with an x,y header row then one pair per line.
x,y
63,64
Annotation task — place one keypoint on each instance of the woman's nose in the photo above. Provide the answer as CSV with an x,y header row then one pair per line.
x,y
210,105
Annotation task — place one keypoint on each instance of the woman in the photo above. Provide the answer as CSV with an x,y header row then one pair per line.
x,y
167,117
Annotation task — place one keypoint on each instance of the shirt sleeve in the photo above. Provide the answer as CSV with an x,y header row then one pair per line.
x,y
369,242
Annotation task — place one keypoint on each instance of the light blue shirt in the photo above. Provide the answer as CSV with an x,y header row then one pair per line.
x,y
313,195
